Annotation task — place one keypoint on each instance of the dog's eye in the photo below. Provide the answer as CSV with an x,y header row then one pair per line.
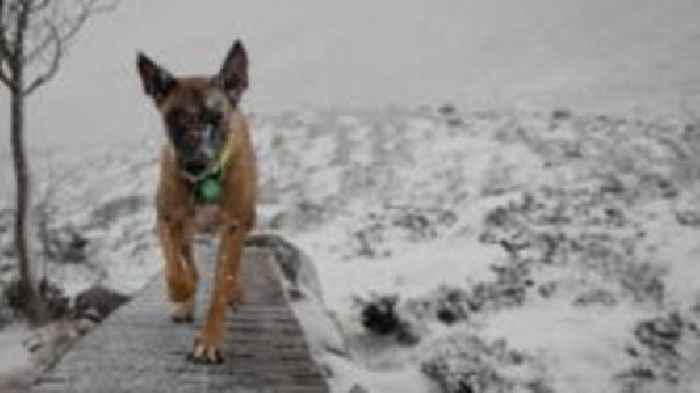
x,y
181,118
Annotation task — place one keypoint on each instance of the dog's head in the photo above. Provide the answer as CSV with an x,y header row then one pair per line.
x,y
196,110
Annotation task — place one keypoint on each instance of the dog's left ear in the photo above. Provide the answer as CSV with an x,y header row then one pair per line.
x,y
157,81
233,77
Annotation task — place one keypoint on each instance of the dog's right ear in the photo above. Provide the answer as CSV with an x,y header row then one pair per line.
x,y
157,82
233,76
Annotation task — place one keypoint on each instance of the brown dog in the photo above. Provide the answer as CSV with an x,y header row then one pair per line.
x,y
207,183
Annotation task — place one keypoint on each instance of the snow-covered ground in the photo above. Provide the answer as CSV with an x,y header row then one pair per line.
x,y
561,235
16,367
527,249
524,250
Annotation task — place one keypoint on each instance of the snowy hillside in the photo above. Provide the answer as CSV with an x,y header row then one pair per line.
x,y
501,244
525,251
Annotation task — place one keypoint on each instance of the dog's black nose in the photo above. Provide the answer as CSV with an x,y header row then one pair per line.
x,y
195,167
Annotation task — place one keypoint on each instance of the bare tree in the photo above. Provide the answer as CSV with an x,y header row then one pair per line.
x,y
34,36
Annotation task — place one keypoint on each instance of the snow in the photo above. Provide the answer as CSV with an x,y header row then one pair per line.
x,y
387,192
585,347
403,203
15,365
409,272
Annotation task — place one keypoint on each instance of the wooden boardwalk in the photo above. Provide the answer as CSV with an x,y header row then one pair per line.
x,y
138,348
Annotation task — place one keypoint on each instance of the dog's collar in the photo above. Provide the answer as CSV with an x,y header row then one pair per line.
x,y
207,185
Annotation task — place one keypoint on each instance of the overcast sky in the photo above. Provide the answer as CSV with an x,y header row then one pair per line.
x,y
594,55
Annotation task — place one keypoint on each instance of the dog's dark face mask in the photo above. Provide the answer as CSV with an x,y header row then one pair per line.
x,y
196,111
198,134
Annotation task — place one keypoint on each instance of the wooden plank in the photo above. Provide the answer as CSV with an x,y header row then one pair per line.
x,y
138,349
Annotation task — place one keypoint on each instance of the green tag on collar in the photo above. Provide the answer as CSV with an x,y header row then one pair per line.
x,y
208,190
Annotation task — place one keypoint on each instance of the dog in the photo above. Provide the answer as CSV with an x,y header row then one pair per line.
x,y
207,183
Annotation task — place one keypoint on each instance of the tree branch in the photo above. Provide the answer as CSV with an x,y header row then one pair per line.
x,y
5,54
19,50
35,52
71,25
5,79
23,8
4,47
3,22
41,5
55,62
88,9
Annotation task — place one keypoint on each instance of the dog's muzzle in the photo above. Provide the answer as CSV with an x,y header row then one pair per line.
x,y
195,171
195,168
203,160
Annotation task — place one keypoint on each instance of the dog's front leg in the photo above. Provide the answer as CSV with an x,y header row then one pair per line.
x,y
180,271
226,284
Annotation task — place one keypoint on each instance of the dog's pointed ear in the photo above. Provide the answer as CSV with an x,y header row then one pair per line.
x,y
233,76
157,81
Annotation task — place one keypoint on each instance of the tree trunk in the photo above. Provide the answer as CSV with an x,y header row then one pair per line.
x,y
32,304
34,307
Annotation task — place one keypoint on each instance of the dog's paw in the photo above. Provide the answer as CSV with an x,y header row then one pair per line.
x,y
205,352
237,297
182,312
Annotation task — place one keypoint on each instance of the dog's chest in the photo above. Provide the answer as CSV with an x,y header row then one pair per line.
x,y
207,218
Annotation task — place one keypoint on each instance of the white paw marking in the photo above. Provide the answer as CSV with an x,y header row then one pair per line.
x,y
182,309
